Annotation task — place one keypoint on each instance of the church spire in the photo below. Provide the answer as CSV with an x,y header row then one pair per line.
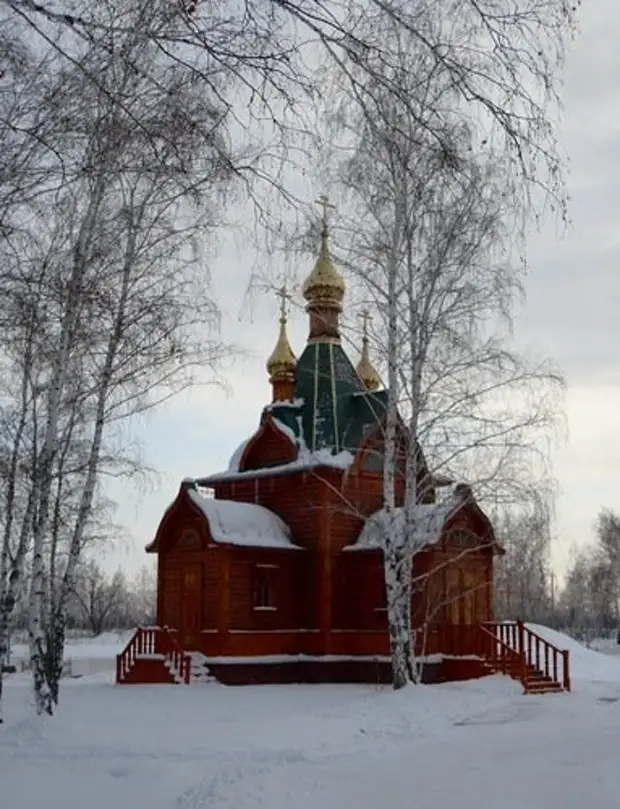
x,y
324,288
282,362
365,369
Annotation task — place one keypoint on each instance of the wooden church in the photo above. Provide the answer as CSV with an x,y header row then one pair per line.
x,y
267,572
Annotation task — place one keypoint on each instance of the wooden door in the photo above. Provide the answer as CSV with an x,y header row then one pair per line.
x,y
469,597
191,607
453,594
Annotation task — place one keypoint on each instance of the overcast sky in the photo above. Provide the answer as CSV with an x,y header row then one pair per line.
x,y
573,297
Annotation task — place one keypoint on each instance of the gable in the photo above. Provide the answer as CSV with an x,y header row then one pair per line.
x,y
270,446
246,524
458,516
193,520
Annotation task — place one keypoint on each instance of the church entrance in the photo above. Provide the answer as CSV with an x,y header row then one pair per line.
x,y
191,607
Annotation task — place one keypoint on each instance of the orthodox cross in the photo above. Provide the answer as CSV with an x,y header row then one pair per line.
x,y
284,296
324,202
365,317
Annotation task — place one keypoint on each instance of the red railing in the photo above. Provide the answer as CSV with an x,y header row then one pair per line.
x,y
503,657
536,652
153,642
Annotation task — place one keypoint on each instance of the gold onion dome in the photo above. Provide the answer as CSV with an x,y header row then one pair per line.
x,y
365,369
324,285
282,362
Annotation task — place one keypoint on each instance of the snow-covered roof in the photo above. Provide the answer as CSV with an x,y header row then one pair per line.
x,y
415,527
245,524
235,458
305,461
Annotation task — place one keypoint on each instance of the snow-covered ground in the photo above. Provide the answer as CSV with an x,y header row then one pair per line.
x,y
465,745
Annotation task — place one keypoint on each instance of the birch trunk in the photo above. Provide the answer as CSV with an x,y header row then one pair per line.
x,y
58,617
395,572
12,569
412,469
13,584
45,467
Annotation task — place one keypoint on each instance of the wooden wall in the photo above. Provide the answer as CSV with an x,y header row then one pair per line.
x,y
283,569
325,600
270,447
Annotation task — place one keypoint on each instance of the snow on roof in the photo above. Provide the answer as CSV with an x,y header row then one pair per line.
x,y
235,458
415,527
305,461
285,429
245,524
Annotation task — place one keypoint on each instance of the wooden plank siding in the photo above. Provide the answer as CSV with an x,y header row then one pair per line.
x,y
321,600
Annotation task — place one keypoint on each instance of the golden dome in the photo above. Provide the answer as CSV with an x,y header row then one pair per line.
x,y
282,362
324,285
365,369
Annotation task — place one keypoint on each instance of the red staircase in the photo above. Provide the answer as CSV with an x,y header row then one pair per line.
x,y
513,649
152,656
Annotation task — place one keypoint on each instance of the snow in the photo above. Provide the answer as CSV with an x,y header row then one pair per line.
x,y
235,458
295,404
245,524
341,460
422,524
591,666
83,656
306,461
466,745
284,429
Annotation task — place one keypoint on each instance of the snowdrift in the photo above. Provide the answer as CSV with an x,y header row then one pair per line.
x,y
585,664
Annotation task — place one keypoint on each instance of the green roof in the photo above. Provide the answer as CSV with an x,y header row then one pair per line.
x,y
332,409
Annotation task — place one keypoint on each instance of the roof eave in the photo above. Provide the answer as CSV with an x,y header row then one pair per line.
x,y
266,472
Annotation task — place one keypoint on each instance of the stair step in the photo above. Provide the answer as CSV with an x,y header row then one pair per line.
x,y
199,670
551,688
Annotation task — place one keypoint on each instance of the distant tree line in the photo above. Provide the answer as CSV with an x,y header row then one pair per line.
x,y
527,587
103,601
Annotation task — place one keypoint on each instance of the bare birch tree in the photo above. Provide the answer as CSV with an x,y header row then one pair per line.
x,y
502,58
590,598
523,575
120,297
427,238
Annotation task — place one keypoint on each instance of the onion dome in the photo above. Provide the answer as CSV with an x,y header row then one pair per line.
x,y
282,362
324,287
365,369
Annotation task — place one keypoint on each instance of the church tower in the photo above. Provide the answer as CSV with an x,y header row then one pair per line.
x,y
365,369
324,288
281,364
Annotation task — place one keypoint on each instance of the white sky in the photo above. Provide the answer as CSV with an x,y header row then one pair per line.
x,y
573,294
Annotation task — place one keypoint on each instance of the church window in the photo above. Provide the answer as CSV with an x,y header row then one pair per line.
x,y
262,588
462,539
190,538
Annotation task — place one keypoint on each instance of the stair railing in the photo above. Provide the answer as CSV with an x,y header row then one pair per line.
x,y
502,656
153,641
537,652
139,641
546,657
175,654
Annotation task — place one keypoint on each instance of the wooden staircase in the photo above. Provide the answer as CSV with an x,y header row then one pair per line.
x,y
153,655
513,649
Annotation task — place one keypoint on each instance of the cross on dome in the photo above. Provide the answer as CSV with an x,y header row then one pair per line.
x,y
326,205
366,318
284,297
365,369
282,361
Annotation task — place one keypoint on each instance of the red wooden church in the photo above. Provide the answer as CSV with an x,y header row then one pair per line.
x,y
266,572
